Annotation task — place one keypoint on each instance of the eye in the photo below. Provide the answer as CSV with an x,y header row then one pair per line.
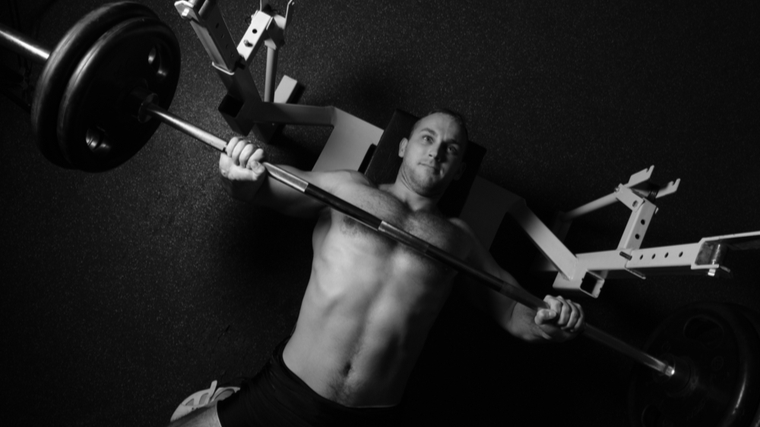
x,y
427,138
453,150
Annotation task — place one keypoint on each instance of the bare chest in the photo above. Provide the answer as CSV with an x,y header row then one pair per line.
x,y
427,226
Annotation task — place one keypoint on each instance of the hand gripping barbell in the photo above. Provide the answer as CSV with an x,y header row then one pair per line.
x,y
105,89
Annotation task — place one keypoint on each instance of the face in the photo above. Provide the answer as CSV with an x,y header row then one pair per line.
x,y
432,155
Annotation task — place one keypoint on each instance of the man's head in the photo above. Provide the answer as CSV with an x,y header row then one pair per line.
x,y
454,115
433,153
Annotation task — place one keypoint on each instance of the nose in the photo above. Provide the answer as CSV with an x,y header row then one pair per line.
x,y
437,151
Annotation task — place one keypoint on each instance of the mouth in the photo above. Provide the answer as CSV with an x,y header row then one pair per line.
x,y
431,166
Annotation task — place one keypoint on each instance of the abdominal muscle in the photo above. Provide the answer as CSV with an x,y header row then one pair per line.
x,y
365,315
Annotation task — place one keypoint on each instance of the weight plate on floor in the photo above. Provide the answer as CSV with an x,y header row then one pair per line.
x,y
754,318
718,349
98,127
62,62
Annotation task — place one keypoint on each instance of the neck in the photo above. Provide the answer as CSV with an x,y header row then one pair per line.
x,y
413,200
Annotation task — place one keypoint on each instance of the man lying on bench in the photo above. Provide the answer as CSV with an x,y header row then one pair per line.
x,y
370,301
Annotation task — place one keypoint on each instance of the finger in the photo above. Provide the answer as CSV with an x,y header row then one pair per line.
x,y
225,162
245,154
562,311
553,303
568,308
254,162
231,145
544,315
572,319
258,155
241,174
581,319
237,150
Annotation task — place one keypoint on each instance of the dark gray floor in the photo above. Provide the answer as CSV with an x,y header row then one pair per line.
x,y
126,291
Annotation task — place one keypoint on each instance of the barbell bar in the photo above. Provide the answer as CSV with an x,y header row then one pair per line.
x,y
142,105
17,41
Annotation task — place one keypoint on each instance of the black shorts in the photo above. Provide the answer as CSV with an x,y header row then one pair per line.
x,y
278,397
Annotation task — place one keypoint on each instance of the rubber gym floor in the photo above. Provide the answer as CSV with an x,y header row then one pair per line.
x,y
125,291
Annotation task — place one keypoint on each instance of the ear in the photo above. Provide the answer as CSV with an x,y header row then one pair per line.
x,y
460,172
402,147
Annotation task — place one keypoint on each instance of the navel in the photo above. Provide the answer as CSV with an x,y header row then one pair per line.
x,y
346,369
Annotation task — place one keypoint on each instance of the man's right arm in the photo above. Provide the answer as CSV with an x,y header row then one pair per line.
x,y
245,178
563,319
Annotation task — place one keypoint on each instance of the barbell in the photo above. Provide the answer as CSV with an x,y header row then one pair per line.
x,y
106,88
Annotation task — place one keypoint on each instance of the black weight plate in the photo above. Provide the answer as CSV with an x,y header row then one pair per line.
x,y
754,318
62,62
97,125
722,349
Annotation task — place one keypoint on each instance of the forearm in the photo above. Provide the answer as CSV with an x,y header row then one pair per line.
x,y
510,315
519,320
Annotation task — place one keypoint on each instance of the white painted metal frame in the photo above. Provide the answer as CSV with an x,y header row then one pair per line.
x,y
231,61
629,259
243,107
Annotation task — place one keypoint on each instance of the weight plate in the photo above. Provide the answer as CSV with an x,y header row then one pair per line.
x,y
62,62
720,350
754,318
98,127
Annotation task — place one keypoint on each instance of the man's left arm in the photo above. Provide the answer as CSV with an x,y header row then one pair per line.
x,y
563,320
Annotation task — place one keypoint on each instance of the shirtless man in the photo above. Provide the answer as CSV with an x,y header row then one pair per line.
x,y
370,301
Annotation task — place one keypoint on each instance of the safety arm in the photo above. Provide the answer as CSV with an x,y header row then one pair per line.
x,y
231,60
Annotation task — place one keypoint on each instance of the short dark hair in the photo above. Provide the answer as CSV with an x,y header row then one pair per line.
x,y
457,116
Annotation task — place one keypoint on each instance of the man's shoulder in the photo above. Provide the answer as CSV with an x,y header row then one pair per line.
x,y
334,179
460,224
465,233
